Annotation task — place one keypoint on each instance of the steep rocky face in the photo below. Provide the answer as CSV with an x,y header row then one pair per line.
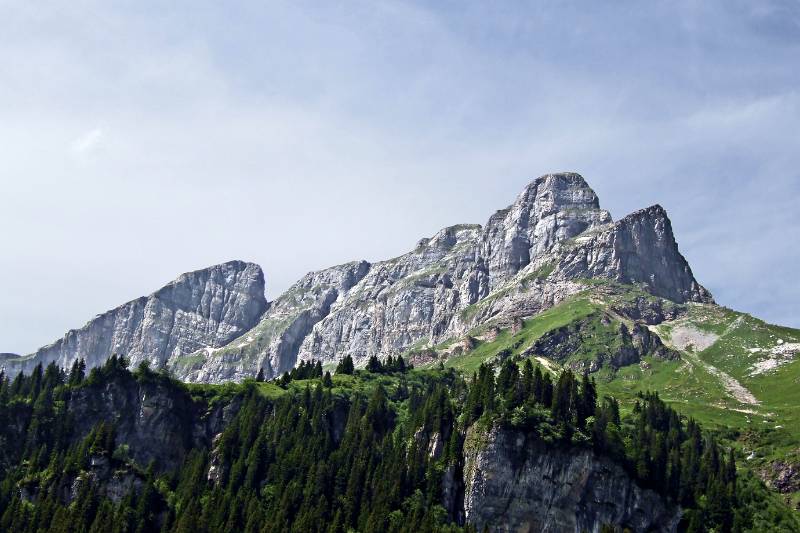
x,y
274,342
208,307
404,300
157,421
514,483
639,249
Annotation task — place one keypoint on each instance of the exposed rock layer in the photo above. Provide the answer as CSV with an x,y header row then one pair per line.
x,y
514,483
586,345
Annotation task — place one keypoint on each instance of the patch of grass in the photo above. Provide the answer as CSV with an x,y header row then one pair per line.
x,y
688,388
540,273
187,361
532,329
270,390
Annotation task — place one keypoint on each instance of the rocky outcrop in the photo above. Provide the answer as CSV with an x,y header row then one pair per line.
x,y
205,308
553,208
588,344
404,300
513,482
781,476
273,344
639,249
113,483
157,421
110,478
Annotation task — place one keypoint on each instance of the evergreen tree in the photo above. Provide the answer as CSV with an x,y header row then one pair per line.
x,y
345,366
78,372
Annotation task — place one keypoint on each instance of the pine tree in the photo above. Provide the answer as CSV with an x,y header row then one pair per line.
x,y
345,366
374,365
78,372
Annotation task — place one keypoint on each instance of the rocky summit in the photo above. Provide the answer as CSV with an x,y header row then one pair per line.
x,y
214,325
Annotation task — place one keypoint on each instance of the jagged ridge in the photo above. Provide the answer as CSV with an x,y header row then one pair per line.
x,y
527,258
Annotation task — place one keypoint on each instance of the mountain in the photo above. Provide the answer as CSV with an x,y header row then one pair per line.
x,y
199,310
527,258
550,282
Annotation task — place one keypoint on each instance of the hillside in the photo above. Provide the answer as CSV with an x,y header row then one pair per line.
x,y
385,449
733,372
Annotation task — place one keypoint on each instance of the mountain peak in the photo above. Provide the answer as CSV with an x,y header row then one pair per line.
x,y
558,191
551,209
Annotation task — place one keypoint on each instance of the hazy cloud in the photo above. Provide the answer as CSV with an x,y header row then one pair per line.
x,y
87,143
301,135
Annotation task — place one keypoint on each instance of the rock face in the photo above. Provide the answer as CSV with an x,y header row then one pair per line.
x,y
527,258
639,249
781,476
514,483
205,308
552,209
274,342
156,420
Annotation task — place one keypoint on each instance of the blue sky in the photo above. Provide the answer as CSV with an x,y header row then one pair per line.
x,y
139,140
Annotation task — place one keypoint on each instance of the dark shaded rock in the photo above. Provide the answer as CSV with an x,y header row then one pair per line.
x,y
781,476
515,483
159,422
599,339
650,311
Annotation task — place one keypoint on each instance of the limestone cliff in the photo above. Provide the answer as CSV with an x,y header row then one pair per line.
x,y
514,483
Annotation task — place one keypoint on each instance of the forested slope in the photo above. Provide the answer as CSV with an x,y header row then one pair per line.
x,y
388,448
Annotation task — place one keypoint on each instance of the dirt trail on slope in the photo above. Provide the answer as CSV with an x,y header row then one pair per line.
x,y
684,336
732,386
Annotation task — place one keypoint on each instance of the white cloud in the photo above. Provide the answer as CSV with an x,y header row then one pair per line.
x,y
88,143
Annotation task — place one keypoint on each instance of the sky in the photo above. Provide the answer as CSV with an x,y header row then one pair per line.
x,y
140,140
